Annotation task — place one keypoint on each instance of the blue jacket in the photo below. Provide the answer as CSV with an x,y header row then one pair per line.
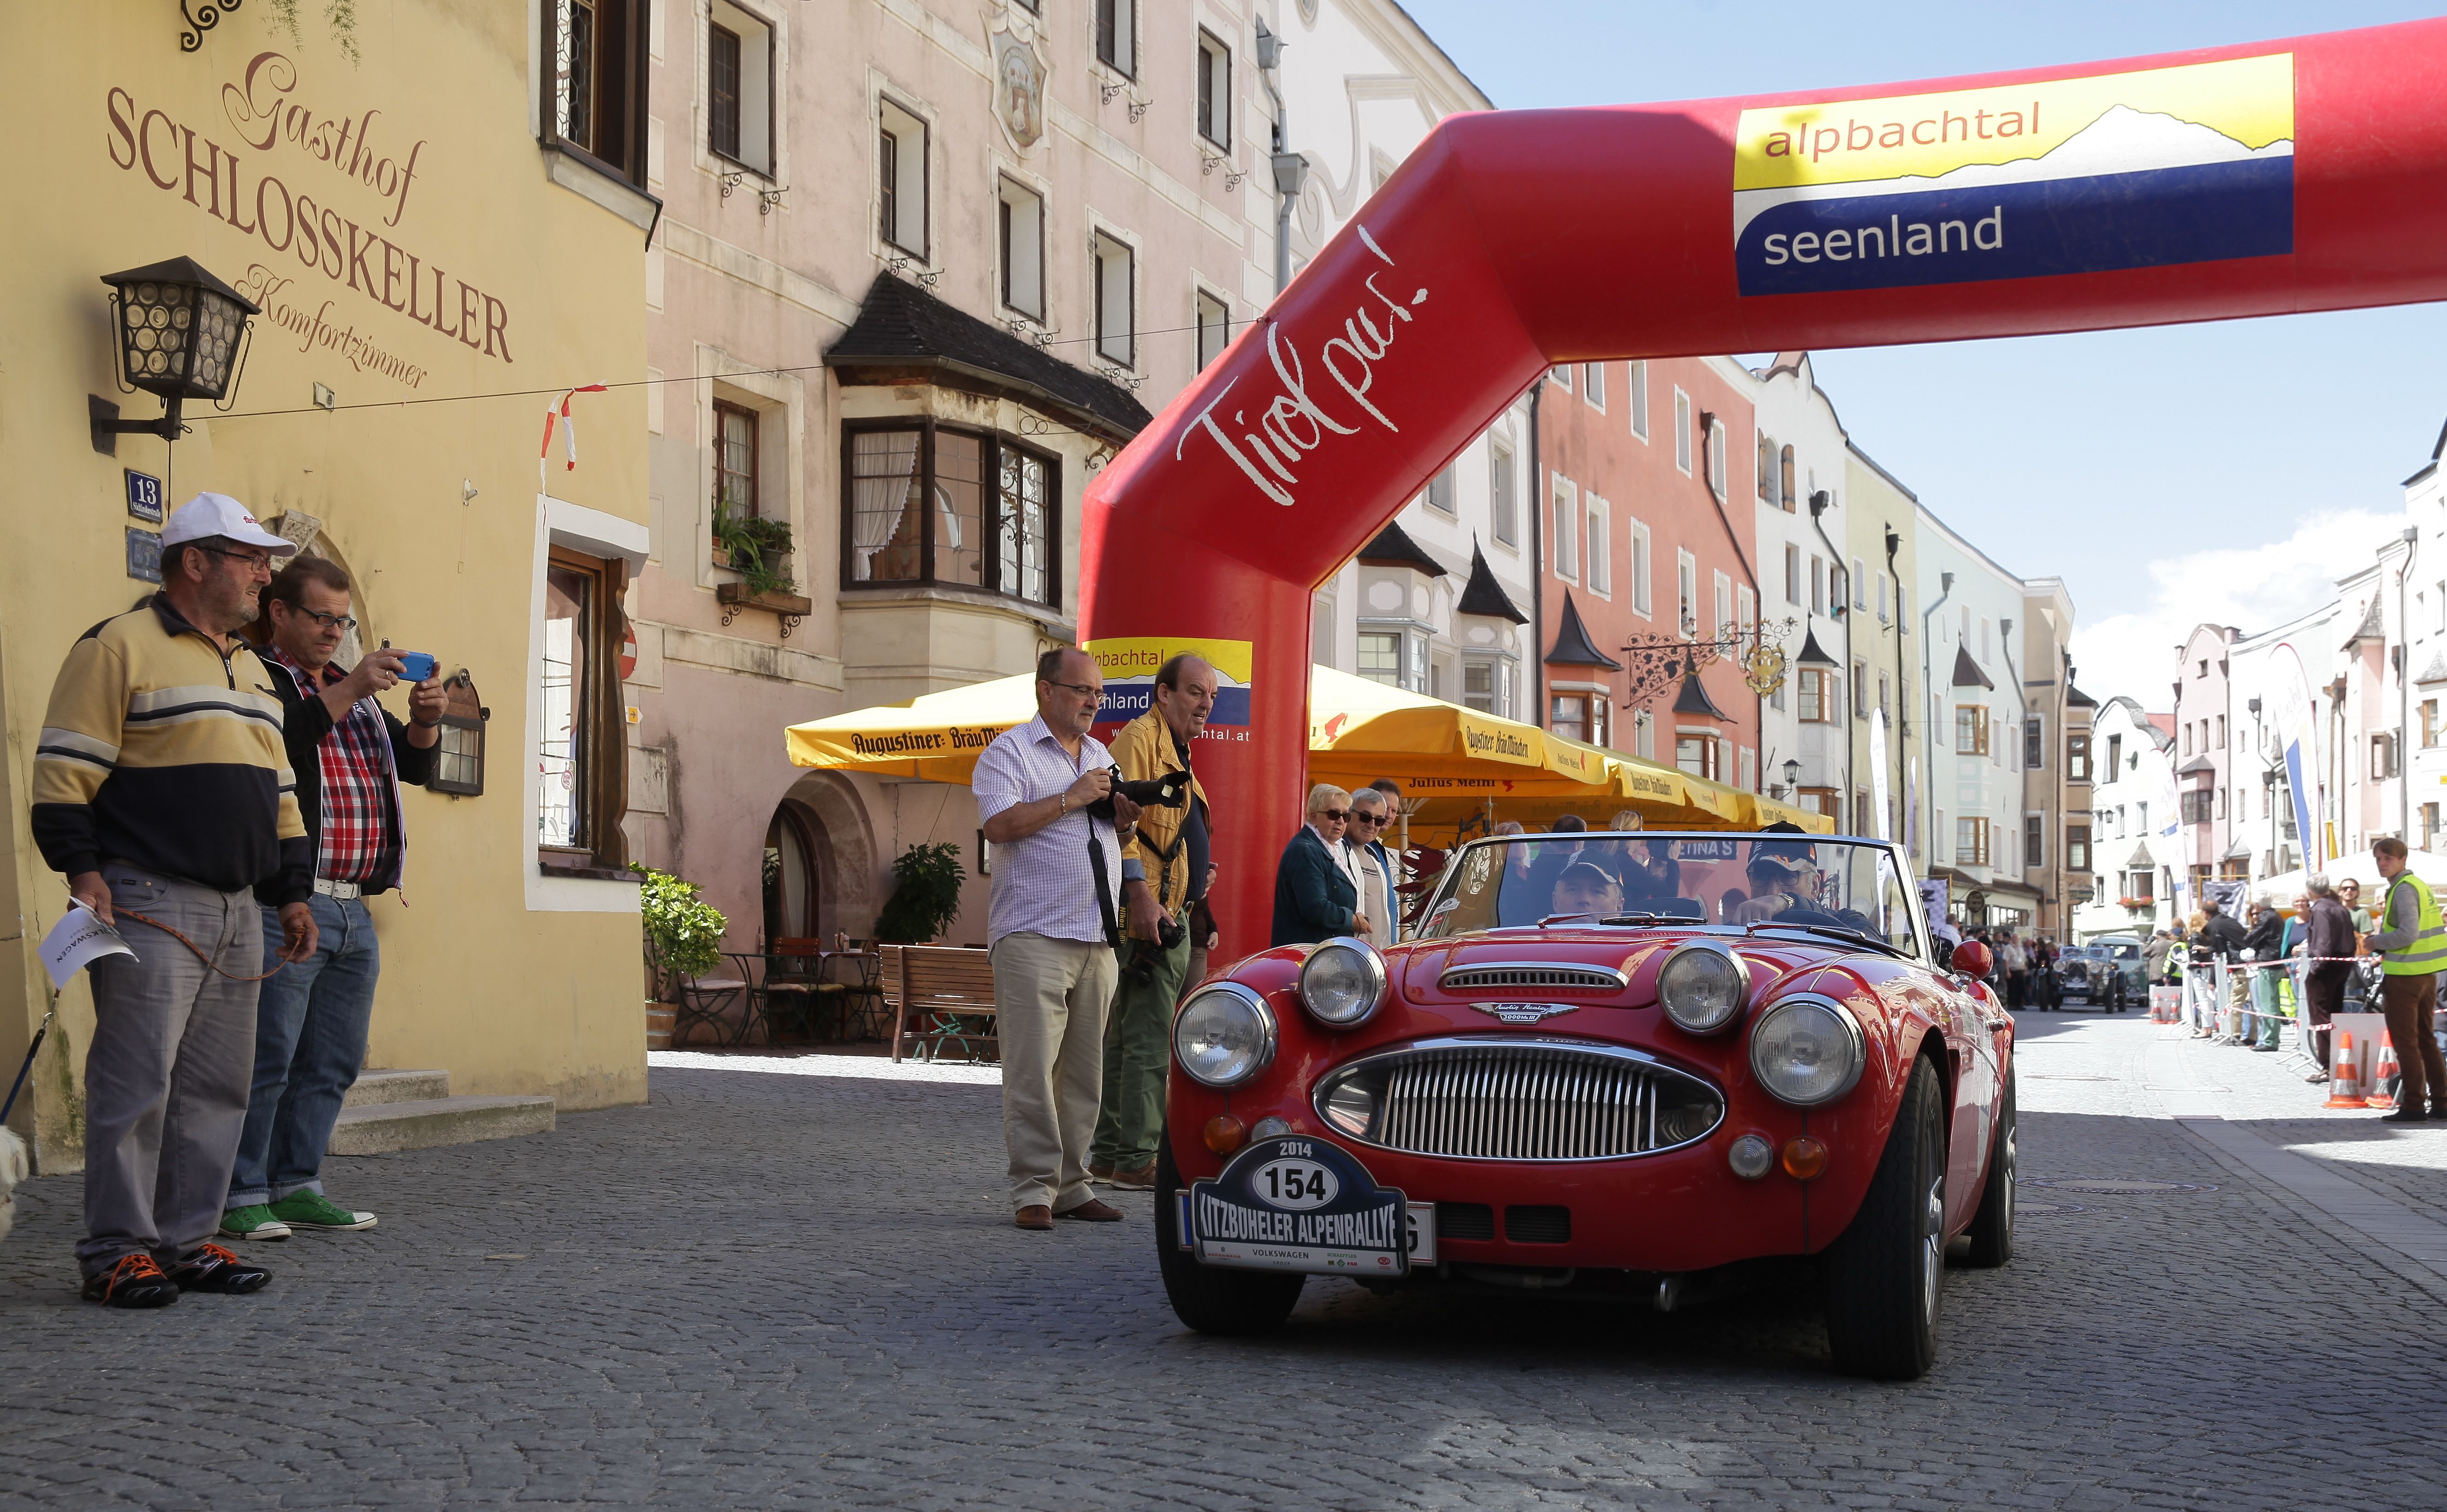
x,y
1314,898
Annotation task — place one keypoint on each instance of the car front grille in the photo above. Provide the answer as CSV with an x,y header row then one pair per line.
x,y
1509,1099
1568,975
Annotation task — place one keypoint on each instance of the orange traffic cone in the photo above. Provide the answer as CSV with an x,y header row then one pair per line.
x,y
2385,1075
2344,1075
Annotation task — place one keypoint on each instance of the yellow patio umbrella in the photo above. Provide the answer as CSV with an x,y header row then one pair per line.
x,y
936,736
1758,811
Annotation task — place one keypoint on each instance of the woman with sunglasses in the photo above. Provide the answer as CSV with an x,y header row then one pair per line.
x,y
1316,890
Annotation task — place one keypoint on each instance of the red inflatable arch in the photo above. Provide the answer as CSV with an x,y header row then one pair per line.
x,y
2251,180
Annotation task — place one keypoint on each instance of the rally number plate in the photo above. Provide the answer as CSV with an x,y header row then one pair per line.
x,y
1297,1203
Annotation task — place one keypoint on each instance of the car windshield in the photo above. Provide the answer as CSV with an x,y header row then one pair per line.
x,y
2122,950
1844,886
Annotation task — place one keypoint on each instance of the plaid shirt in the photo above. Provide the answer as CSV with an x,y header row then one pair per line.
x,y
360,821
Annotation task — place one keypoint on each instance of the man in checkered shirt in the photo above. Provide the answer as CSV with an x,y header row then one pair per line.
x,y
311,1019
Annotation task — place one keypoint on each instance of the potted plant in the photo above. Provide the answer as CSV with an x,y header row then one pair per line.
x,y
756,548
927,897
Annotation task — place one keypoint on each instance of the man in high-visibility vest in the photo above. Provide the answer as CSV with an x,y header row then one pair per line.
x,y
2413,943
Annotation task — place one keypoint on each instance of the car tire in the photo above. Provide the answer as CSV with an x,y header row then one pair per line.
x,y
1884,1274
1211,1299
1992,1227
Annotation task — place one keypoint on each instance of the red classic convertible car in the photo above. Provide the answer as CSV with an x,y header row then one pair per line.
x,y
1653,1064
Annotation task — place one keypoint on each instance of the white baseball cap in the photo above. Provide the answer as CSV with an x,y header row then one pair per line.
x,y
209,514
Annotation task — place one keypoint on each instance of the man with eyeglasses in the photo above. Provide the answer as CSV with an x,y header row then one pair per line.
x,y
162,790
1165,869
349,756
1052,933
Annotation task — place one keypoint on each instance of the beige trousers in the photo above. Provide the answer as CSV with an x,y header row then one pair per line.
x,y
1049,1002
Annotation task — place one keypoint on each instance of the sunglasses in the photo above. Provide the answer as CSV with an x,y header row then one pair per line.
x,y
1333,816
1359,817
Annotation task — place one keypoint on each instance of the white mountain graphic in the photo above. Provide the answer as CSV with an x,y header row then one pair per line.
x,y
2122,139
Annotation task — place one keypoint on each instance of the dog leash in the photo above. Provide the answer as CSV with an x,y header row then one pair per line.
x,y
31,1051
129,912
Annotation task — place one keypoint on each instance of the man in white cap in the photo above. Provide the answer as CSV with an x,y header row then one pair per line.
x,y
162,790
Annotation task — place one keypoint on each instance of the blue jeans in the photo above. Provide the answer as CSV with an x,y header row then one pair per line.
x,y
310,1038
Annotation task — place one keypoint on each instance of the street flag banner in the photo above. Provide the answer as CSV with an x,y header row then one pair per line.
x,y
2145,169
2298,736
1878,790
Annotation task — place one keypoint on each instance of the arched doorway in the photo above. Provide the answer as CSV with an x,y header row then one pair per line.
x,y
793,878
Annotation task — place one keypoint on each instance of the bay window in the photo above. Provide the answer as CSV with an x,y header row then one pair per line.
x,y
927,503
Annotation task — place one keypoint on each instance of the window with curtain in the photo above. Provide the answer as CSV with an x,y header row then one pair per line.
x,y
1117,36
1638,389
934,505
1784,478
1567,714
1116,313
1696,754
581,731
734,461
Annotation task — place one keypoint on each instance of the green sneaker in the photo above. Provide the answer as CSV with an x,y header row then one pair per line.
x,y
313,1210
253,1223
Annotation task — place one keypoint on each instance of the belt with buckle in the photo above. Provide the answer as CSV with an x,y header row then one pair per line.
x,y
342,890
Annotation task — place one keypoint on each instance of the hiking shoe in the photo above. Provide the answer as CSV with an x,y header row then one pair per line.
x,y
133,1281
1140,1179
253,1223
211,1268
313,1210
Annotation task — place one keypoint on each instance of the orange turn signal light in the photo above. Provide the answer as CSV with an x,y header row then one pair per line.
x,y
1805,1159
1225,1133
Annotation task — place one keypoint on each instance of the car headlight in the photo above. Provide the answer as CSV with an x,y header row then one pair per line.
x,y
1704,986
1807,1051
1342,982
1225,1036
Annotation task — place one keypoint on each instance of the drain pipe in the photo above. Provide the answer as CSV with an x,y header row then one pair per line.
x,y
1290,169
1839,563
1537,502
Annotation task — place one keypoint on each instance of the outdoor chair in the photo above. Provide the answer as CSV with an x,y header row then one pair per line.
x,y
698,1000
795,985
942,1003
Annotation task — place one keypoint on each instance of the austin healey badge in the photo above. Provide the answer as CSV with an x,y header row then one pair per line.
x,y
1523,1012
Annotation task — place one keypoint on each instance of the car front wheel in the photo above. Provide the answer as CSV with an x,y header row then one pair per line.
x,y
1211,1299
1883,1274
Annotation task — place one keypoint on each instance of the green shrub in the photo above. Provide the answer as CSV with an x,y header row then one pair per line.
x,y
685,929
928,897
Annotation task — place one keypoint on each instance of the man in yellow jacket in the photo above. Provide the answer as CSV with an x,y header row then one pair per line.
x,y
2413,942
1164,873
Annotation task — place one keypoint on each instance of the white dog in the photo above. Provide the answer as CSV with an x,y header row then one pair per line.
x,y
12,1170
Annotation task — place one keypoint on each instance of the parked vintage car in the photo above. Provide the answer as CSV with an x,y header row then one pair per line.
x,y
1662,1064
2107,973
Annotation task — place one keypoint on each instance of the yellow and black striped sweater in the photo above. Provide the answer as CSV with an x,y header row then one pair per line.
x,y
160,751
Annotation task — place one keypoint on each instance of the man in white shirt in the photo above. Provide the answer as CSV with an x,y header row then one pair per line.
x,y
1052,933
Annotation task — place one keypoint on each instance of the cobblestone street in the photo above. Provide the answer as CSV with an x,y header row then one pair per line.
x,y
769,1289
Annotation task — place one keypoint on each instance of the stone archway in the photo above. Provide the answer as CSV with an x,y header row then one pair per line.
x,y
830,811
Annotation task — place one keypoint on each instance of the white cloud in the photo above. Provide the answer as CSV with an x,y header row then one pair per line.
x,y
2250,587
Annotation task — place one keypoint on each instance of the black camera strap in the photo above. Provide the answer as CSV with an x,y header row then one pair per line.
x,y
1104,887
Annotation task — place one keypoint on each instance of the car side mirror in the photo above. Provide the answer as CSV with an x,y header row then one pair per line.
x,y
1970,958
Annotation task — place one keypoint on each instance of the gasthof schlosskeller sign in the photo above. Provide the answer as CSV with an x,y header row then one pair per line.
x,y
2145,169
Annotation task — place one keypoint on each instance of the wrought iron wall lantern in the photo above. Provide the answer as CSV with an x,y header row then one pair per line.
x,y
458,758
179,332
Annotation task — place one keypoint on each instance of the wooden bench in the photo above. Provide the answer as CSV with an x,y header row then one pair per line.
x,y
938,995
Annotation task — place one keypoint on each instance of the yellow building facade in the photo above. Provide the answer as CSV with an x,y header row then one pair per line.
x,y
444,232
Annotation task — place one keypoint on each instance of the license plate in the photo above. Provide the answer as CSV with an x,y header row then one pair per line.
x,y
1301,1205
1421,1217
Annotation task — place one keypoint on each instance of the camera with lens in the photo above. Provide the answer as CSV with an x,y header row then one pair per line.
x,y
1172,790
1170,932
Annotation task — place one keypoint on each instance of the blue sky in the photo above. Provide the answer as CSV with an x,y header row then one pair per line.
x,y
2223,471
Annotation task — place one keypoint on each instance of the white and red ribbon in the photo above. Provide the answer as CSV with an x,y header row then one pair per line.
x,y
569,434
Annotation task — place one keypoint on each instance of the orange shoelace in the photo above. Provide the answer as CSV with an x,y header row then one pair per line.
x,y
213,1252
130,1268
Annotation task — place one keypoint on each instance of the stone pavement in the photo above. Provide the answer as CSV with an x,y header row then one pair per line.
x,y
789,1286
